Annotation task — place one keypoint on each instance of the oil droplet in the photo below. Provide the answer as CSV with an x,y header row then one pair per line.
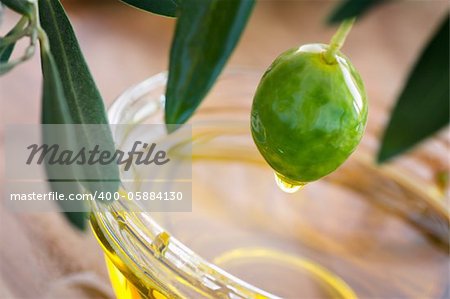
x,y
287,186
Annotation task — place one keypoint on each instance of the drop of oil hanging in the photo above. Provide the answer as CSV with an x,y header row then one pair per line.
x,y
287,187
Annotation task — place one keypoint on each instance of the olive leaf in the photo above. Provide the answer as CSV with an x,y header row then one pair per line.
x,y
56,111
84,100
23,7
54,104
206,33
351,8
166,8
6,50
423,106
80,95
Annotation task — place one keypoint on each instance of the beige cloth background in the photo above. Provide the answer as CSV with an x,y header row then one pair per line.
x,y
41,256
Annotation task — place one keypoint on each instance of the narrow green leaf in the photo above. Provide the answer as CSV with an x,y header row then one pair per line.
x,y
423,106
166,8
77,219
351,8
5,52
22,7
206,34
71,97
83,99
56,111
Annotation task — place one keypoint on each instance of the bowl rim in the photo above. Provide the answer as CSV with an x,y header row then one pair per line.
x,y
181,253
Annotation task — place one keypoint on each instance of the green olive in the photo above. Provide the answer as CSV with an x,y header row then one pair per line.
x,y
308,113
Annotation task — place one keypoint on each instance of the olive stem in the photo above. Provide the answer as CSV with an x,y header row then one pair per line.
x,y
338,39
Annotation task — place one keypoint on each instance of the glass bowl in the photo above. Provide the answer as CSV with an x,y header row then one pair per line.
x,y
364,231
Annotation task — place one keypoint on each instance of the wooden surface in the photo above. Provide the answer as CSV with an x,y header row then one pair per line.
x,y
41,256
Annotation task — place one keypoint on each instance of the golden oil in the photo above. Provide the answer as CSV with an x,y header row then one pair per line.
x,y
125,282
128,284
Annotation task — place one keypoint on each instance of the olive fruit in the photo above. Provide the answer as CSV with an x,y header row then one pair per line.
x,y
308,114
